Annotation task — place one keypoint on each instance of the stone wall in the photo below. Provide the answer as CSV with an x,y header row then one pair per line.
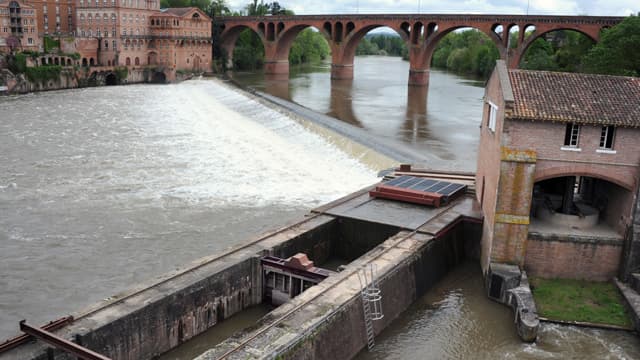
x,y
157,316
342,335
573,258
631,260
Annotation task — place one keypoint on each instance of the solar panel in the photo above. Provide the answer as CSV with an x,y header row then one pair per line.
x,y
451,189
399,180
418,190
424,184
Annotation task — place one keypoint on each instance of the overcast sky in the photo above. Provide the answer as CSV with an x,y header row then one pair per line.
x,y
545,7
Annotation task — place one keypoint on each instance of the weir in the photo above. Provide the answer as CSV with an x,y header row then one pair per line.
x,y
412,246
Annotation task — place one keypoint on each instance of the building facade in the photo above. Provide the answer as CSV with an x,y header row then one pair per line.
x,y
110,33
18,26
558,171
139,33
55,17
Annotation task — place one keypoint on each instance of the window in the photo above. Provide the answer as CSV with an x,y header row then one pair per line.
x,y
606,137
30,41
492,118
571,135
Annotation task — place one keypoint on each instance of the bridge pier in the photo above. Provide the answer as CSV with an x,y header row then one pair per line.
x,y
276,67
419,77
342,71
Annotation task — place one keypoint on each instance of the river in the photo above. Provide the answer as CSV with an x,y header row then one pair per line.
x,y
103,188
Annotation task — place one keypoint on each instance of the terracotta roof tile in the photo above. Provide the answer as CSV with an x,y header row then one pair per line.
x,y
573,97
178,11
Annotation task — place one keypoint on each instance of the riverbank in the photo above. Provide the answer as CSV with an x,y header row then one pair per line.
x,y
580,302
73,77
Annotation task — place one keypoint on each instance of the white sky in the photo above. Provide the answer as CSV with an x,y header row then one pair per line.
x,y
544,7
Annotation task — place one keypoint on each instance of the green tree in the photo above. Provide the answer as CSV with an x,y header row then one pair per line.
x,y
308,47
218,8
539,56
466,52
618,52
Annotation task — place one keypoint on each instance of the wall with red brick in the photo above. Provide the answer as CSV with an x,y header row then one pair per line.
x,y
488,169
573,259
547,139
618,213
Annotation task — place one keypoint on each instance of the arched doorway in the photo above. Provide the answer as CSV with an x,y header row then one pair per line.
x,y
152,58
111,79
158,78
196,63
84,61
577,227
91,62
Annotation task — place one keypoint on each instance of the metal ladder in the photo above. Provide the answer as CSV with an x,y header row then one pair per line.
x,y
370,294
368,323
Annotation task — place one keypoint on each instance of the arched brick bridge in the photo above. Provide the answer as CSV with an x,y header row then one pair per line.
x,y
421,32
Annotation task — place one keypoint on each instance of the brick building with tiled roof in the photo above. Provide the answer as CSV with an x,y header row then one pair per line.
x,y
558,173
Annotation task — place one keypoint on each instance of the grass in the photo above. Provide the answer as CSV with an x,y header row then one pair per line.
x,y
576,300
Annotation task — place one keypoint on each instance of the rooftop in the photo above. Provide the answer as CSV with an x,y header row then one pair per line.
x,y
572,97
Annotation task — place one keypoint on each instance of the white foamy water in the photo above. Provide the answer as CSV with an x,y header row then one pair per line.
x,y
102,188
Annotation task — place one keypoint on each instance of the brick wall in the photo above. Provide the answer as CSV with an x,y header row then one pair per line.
x,y
547,139
573,259
488,169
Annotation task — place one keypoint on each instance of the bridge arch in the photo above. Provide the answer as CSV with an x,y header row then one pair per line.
x,y
286,37
229,38
354,38
524,41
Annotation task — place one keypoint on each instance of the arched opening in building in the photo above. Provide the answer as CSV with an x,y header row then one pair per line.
x,y
91,62
128,61
558,50
137,61
15,15
69,62
111,79
158,78
196,63
84,61
152,58
580,205
56,61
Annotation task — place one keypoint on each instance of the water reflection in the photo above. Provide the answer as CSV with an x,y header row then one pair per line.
x,y
341,104
415,124
277,85
440,121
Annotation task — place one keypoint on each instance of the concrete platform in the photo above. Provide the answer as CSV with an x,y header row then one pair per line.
x,y
424,219
600,231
